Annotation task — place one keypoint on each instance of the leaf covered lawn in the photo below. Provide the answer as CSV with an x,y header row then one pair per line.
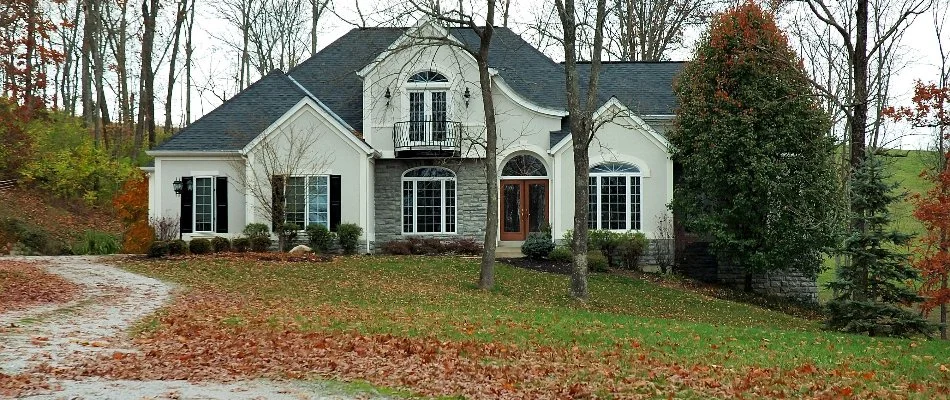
x,y
419,324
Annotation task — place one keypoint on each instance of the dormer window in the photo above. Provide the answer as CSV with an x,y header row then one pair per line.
x,y
427,77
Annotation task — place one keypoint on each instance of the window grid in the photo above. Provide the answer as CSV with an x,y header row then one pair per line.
x,y
439,116
417,116
204,204
429,201
307,201
615,197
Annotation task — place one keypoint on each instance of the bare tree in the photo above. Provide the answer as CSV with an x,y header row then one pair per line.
x,y
180,16
583,126
317,8
146,116
188,59
284,153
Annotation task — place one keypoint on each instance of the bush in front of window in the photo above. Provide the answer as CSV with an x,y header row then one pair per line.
x,y
260,244
256,229
241,244
199,246
630,249
464,246
349,236
426,246
596,262
397,247
95,242
158,248
219,244
287,235
177,247
561,254
537,246
320,238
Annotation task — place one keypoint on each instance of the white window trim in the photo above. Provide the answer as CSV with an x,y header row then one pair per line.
x,y
306,201
415,202
194,203
629,222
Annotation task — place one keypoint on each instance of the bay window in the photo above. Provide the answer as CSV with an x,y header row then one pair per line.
x,y
614,198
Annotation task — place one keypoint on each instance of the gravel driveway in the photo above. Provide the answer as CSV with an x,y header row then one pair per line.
x,y
98,322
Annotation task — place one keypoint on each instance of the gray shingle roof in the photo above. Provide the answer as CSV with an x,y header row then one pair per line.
x,y
234,124
331,76
644,87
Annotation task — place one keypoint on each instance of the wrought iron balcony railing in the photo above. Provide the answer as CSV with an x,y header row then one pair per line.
x,y
427,136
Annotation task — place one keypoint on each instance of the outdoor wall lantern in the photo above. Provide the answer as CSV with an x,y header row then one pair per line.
x,y
388,96
468,96
177,185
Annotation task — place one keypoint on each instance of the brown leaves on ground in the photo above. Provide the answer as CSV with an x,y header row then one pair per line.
x,y
16,385
24,284
210,335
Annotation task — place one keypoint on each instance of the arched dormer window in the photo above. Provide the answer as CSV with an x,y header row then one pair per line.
x,y
428,107
615,197
428,200
427,77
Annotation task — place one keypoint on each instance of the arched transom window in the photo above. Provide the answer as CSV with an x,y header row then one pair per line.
x,y
427,76
524,165
615,197
428,200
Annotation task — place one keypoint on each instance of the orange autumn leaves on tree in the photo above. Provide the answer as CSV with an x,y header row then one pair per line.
x,y
931,110
933,210
131,206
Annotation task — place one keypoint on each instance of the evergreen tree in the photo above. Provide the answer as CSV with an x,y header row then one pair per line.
x,y
757,175
870,291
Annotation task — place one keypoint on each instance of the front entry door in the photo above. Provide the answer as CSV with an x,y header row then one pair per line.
x,y
524,207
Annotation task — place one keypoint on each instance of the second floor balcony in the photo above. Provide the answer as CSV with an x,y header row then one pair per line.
x,y
431,138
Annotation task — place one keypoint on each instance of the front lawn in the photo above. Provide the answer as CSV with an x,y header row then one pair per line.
x,y
633,338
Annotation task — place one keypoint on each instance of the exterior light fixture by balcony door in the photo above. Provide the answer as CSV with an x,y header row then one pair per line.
x,y
388,96
468,96
177,185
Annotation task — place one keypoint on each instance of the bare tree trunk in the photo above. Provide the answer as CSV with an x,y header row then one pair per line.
x,y
146,118
859,120
582,130
88,110
179,20
188,51
486,279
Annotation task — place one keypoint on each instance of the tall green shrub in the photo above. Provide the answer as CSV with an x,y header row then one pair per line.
x,y
349,236
95,242
751,137
320,238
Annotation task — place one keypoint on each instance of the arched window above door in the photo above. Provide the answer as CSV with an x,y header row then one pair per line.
x,y
427,76
524,165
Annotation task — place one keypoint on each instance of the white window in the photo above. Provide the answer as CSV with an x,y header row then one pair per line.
x,y
614,197
428,107
428,200
204,204
307,201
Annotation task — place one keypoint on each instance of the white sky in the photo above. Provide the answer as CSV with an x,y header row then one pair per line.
x,y
214,64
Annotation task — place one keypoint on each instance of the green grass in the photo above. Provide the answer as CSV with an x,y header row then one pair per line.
x,y
436,297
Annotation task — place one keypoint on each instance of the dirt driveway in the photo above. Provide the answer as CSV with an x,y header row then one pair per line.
x,y
98,322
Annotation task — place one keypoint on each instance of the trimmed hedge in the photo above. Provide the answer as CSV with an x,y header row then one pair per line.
x,y
199,246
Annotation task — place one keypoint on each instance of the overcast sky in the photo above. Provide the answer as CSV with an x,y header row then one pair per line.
x,y
215,63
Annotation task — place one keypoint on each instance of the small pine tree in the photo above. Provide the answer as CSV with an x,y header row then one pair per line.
x,y
869,292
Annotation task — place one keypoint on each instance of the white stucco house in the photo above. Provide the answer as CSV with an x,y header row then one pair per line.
x,y
390,125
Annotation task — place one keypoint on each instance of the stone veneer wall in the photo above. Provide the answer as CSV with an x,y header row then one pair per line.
x,y
697,262
470,197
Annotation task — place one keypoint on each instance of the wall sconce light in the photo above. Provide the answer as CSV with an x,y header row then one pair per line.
x,y
177,185
468,96
388,96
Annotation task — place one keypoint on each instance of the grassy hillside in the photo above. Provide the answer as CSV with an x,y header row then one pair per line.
x,y
906,166
50,224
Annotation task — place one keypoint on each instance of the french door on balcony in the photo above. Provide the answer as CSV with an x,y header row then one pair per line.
x,y
428,113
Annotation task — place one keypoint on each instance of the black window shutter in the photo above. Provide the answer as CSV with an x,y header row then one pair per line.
x,y
277,199
221,204
187,207
334,202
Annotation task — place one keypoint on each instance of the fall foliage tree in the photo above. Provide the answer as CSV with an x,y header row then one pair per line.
x,y
757,175
131,206
933,208
25,31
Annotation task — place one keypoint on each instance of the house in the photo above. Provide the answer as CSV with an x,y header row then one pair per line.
x,y
383,128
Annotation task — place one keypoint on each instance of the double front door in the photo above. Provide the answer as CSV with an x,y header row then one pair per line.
x,y
524,207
